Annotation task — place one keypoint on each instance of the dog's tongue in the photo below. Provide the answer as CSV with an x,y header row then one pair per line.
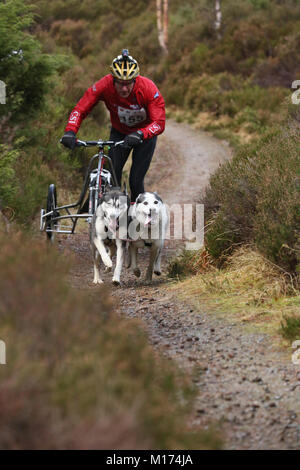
x,y
147,220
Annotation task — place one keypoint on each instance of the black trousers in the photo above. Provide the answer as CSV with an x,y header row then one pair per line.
x,y
141,159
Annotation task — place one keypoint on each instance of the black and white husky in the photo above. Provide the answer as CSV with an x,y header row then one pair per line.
x,y
148,228
106,230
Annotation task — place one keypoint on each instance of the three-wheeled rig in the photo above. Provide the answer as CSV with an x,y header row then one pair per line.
x,y
96,182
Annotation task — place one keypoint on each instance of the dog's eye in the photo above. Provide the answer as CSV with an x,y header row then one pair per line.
x,y
145,203
155,202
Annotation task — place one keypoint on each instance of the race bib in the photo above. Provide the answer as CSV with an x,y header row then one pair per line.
x,y
131,117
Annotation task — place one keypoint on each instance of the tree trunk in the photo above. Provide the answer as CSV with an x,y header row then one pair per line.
x,y
166,21
218,21
162,24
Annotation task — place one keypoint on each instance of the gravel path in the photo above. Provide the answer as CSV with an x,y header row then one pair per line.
x,y
250,390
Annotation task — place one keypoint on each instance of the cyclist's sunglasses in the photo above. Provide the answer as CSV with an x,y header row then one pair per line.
x,y
123,82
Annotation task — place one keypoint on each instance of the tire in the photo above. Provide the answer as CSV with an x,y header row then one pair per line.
x,y
51,206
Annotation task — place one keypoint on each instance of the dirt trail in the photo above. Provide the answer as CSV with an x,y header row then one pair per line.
x,y
248,388
199,156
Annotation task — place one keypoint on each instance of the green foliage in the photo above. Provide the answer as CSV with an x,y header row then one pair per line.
x,y
177,268
261,4
224,94
31,194
255,197
8,187
290,327
23,67
187,263
277,223
222,236
23,179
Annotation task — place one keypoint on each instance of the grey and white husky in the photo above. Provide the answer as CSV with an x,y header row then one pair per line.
x,y
109,220
148,228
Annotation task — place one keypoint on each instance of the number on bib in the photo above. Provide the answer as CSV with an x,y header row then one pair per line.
x,y
131,117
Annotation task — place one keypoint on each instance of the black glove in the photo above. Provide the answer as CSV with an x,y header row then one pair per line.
x,y
69,139
133,140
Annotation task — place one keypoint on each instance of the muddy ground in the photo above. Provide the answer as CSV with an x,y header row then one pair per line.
x,y
249,389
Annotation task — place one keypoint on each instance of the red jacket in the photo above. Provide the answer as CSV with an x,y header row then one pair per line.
x,y
144,109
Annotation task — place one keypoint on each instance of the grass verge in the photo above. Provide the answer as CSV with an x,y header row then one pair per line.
x,y
249,289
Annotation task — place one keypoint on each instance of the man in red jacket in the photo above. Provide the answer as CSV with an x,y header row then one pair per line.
x,y
137,114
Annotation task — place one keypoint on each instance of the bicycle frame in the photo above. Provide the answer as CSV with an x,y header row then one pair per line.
x,y
95,191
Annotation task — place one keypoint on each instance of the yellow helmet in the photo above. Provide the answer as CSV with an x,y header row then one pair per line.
x,y
124,67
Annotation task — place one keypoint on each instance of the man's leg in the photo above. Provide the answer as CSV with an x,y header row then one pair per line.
x,y
118,155
141,159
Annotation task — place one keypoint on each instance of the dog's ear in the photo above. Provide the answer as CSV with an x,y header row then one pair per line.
x,y
157,196
139,199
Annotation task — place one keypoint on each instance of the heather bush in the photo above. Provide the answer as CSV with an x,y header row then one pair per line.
x,y
276,227
74,34
77,375
255,197
225,94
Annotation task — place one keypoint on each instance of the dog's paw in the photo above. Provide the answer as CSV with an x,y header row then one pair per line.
x,y
97,281
116,282
107,269
158,273
137,272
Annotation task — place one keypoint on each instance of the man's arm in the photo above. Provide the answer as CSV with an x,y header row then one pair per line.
x,y
85,105
156,113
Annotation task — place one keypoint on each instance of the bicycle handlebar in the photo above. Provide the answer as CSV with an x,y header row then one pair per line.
x,y
96,143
